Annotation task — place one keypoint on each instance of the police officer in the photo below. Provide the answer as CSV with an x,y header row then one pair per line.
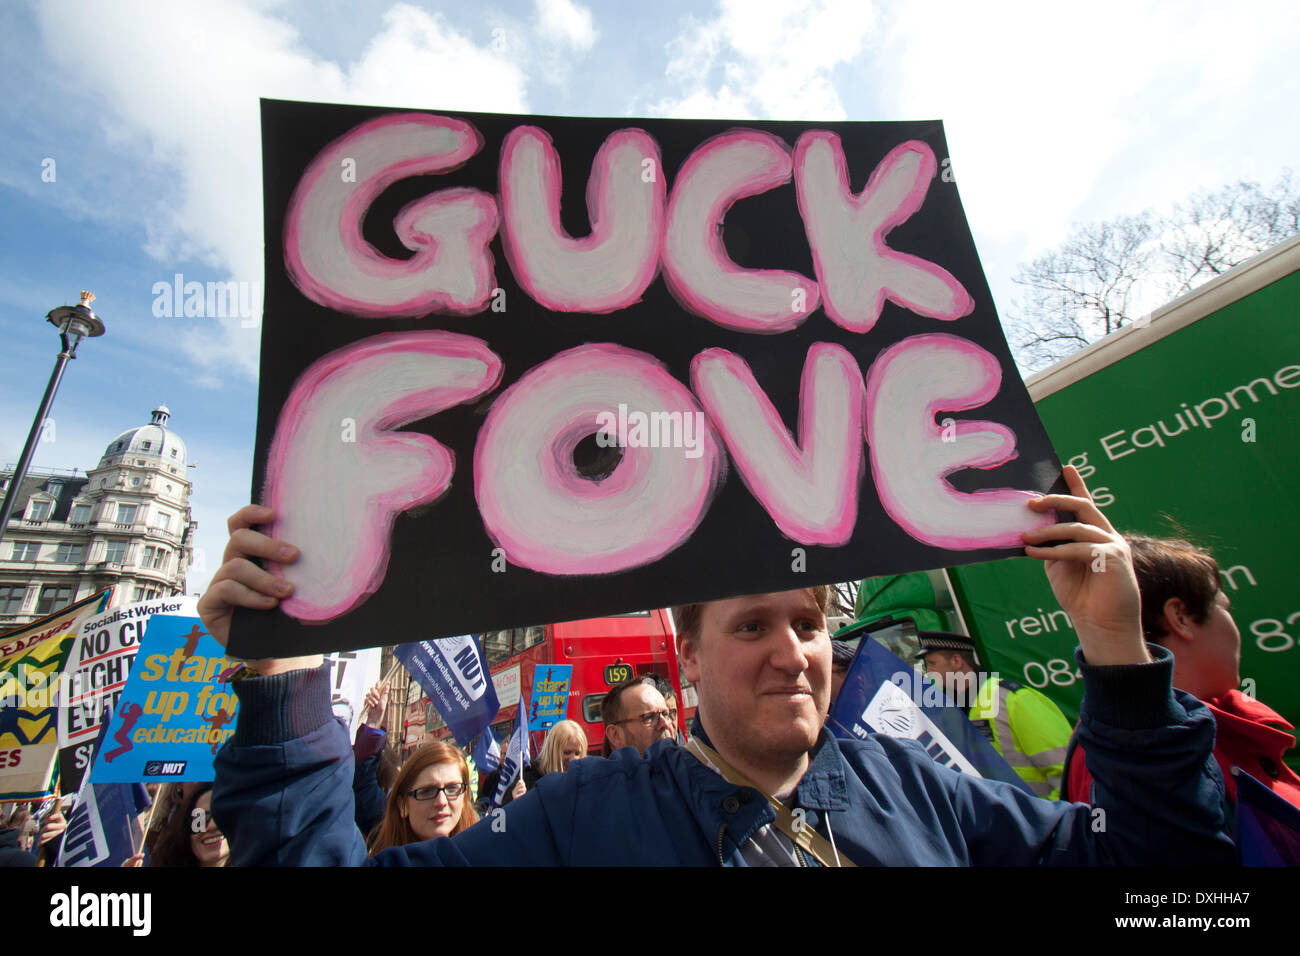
x,y
1026,728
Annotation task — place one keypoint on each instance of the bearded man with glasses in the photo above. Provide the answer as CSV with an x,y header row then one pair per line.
x,y
636,715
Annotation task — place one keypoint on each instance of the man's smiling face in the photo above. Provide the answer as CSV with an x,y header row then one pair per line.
x,y
762,664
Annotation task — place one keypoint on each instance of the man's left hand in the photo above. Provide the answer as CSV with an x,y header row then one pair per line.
x,y
1091,573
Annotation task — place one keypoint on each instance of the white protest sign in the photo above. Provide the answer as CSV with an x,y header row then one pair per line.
x,y
506,683
352,673
96,673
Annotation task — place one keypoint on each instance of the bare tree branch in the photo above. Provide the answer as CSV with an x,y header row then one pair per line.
x,y
1097,281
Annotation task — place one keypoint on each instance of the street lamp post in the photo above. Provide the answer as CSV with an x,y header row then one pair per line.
x,y
74,322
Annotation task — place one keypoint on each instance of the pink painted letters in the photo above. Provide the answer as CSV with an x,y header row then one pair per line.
x,y
809,487
332,264
596,460
607,270
697,269
911,455
857,271
338,473
547,516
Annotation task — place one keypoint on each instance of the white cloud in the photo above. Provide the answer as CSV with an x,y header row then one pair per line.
x,y
179,96
566,22
765,60
1048,107
182,88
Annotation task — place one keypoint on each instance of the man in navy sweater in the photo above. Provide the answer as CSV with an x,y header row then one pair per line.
x,y
760,782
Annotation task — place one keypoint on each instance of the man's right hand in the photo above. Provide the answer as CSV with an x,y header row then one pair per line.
x,y
53,826
376,704
241,583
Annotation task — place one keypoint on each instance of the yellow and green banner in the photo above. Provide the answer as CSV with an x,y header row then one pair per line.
x,y
32,662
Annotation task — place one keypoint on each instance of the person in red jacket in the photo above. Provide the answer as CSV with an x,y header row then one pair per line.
x,y
1185,610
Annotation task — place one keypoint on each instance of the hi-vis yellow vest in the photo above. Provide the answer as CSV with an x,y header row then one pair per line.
x,y
1028,730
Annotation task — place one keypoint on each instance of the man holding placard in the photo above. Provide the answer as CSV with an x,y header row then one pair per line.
x,y
760,781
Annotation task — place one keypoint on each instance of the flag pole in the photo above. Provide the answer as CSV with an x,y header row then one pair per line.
x,y
148,821
40,856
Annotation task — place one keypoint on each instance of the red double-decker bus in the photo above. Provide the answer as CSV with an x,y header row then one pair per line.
x,y
602,651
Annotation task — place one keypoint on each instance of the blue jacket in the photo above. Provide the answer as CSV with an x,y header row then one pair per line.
x,y
282,795
368,797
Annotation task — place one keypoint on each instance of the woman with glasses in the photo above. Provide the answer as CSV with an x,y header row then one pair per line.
x,y
430,798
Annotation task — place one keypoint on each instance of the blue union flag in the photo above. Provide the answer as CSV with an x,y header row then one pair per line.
x,y
882,694
453,672
487,751
103,828
516,757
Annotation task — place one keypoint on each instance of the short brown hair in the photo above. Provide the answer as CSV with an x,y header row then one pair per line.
x,y
686,617
1172,568
611,709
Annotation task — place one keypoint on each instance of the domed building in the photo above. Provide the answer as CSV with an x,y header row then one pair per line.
x,y
125,524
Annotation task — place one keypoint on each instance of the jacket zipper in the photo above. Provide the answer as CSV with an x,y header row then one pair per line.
x,y
721,860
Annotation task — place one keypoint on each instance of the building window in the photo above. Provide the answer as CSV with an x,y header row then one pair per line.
x,y
26,550
53,597
146,445
72,553
126,513
40,510
80,514
115,552
498,645
11,598
135,482
173,452
163,522
139,594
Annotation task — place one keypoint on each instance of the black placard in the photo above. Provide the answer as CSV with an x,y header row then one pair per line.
x,y
367,350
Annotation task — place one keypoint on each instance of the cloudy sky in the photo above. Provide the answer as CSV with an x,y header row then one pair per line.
x,y
131,148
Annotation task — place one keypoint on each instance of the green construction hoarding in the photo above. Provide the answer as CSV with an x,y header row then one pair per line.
x,y
1193,433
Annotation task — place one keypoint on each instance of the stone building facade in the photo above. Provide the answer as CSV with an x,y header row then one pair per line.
x,y
125,524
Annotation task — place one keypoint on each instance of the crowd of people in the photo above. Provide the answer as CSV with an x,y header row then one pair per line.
x,y
759,780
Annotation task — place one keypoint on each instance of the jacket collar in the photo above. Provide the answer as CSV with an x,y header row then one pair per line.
x,y
1244,724
823,785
